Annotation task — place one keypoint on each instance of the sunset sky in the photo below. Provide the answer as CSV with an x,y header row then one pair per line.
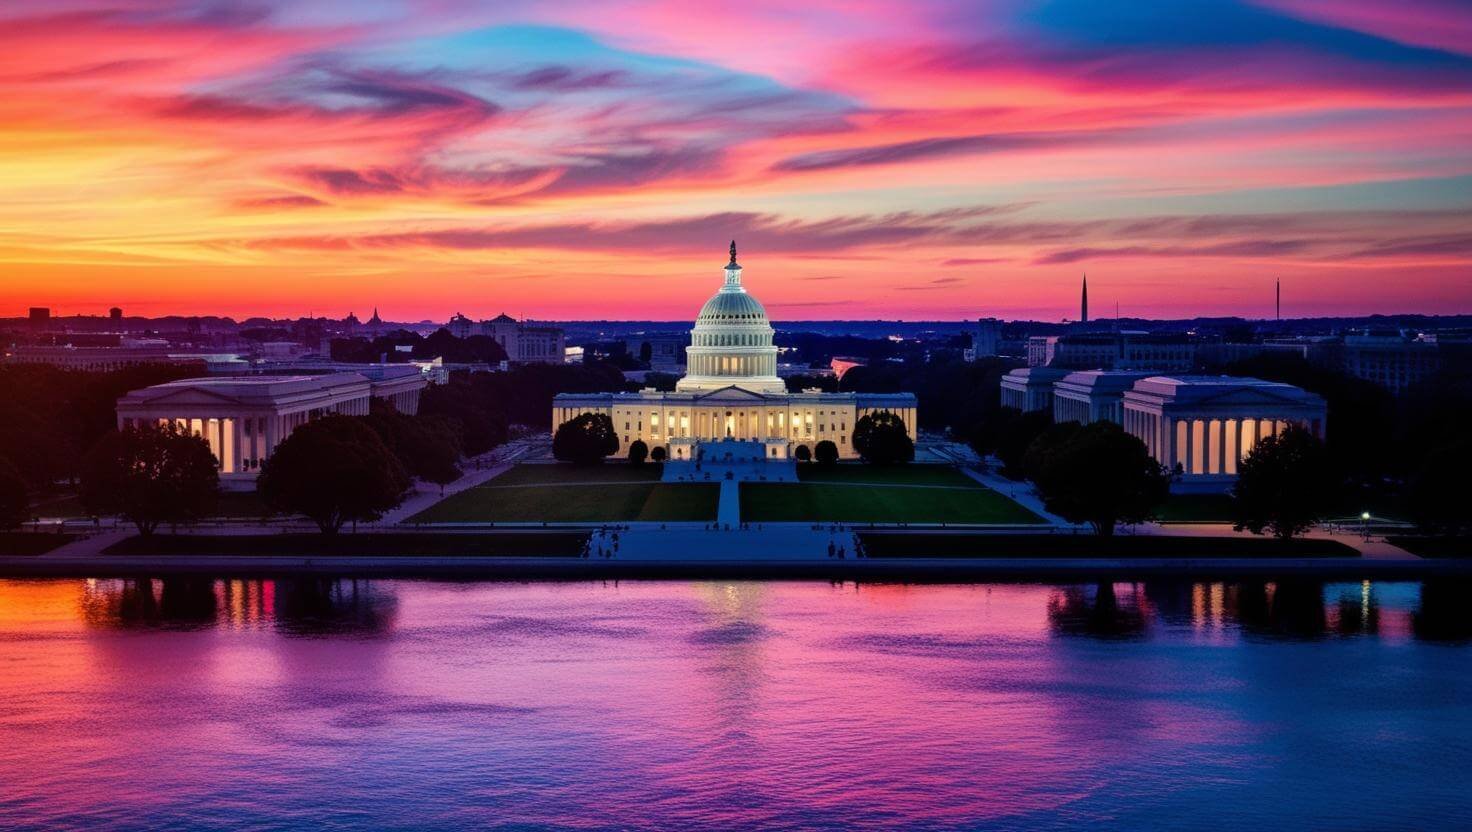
x,y
873,158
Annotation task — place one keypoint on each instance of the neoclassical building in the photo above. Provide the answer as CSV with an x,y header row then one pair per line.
x,y
731,392
244,418
1204,425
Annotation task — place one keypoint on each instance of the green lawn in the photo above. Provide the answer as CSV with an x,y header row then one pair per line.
x,y
501,544
834,502
913,545
858,472
543,474
596,494
25,544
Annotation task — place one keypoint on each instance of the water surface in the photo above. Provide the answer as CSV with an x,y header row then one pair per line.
x,y
296,704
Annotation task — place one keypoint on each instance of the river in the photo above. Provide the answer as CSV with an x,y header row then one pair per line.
x,y
202,705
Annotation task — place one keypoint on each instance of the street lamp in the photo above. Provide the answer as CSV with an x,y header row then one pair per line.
x,y
1365,524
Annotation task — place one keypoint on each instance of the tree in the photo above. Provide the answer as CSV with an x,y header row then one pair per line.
x,y
333,470
638,452
1285,485
585,439
1009,433
150,474
826,453
1437,493
14,498
428,447
802,454
1100,475
882,439
1053,437
659,454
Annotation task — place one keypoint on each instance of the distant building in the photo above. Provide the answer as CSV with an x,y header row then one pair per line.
x,y
1093,395
244,418
1390,359
39,318
105,359
1113,351
462,327
664,352
526,343
115,314
985,338
1203,426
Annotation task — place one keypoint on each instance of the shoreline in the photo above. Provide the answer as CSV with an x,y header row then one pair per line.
x,y
919,570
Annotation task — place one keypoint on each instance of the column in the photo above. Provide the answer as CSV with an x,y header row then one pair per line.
x,y
1190,460
1213,447
1198,446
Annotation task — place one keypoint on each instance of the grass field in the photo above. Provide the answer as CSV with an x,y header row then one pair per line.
x,y
25,544
501,544
597,494
869,494
889,475
900,545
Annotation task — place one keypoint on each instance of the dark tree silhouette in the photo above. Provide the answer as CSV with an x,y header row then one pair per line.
x,y
1008,433
638,452
802,454
150,474
14,496
1285,485
881,438
1100,475
1438,490
585,439
659,454
334,470
426,446
825,453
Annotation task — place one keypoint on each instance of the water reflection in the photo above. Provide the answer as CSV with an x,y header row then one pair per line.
x,y
1445,613
1300,610
297,607
1101,613
283,704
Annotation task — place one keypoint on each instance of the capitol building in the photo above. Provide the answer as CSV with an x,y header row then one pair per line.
x,y
731,402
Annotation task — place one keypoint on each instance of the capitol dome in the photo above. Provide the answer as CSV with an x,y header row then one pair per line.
x,y
731,344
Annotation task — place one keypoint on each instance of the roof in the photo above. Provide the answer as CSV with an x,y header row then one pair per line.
x,y
260,390
1093,382
1201,389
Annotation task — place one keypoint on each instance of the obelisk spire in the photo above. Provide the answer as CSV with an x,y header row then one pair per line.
x,y
1084,305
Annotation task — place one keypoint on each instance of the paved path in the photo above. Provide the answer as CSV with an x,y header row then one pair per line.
x,y
427,494
1019,492
767,543
729,511
1376,548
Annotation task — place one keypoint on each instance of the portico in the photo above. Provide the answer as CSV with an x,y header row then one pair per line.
x,y
244,418
1203,426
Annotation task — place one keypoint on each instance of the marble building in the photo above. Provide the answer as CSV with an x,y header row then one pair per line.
x,y
1204,426
244,418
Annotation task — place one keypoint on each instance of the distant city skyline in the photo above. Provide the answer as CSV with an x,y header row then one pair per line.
x,y
576,161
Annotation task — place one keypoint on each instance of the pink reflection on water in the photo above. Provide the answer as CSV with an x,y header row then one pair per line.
x,y
735,705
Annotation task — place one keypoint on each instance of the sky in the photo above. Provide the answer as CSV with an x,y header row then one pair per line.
x,y
907,159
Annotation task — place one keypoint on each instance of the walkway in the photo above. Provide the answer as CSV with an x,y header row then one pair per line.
x,y
770,542
729,511
1019,492
426,494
